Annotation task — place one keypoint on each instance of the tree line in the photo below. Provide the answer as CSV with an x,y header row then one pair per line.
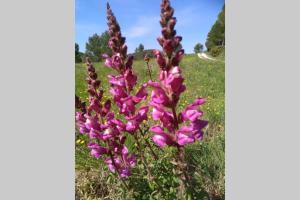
x,y
98,44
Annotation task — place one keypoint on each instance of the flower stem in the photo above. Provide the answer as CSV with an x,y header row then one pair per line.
x,y
181,170
148,145
142,156
181,166
114,164
149,71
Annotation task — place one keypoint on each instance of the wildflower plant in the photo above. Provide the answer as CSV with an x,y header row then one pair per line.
x,y
108,133
103,129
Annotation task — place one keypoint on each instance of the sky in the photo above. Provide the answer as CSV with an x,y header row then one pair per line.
x,y
139,20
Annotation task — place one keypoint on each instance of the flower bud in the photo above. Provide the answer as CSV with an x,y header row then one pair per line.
x,y
91,92
160,41
172,23
160,59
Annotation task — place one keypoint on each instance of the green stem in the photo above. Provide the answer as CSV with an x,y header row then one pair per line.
x,y
148,145
114,164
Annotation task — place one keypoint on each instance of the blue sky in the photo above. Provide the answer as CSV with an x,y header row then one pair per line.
x,y
139,20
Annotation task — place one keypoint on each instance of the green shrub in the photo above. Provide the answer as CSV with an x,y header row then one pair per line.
x,y
217,50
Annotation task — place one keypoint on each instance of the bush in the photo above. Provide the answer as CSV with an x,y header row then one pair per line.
x,y
217,50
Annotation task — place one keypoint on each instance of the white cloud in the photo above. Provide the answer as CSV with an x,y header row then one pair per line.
x,y
143,26
186,16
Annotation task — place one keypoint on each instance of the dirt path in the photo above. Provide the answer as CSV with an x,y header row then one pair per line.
x,y
204,56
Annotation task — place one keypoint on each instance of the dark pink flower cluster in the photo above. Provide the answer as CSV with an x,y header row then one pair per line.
x,y
104,130
123,83
166,93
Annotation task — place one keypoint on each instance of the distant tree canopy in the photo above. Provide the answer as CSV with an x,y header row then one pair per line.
x,y
198,48
139,52
78,54
216,36
140,48
97,45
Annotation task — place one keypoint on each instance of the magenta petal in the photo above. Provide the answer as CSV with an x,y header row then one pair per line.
x,y
130,79
83,129
197,102
93,133
92,122
127,106
132,161
79,116
125,173
156,114
117,80
185,129
157,129
131,126
111,167
199,124
125,151
191,115
183,139
141,94
119,124
108,62
160,140
96,150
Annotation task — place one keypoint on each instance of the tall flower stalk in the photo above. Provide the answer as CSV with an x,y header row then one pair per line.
x,y
103,129
173,129
123,84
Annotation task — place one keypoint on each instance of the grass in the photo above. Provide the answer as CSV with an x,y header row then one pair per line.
x,y
205,158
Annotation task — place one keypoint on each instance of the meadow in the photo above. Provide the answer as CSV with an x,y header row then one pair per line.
x,y
206,158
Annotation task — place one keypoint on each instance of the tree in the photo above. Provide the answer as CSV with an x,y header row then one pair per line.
x,y
216,36
198,48
77,54
139,52
97,45
141,48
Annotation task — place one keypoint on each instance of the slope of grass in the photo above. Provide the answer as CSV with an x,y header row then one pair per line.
x,y
206,158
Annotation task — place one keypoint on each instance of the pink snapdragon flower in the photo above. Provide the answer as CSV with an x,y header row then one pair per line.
x,y
125,81
103,129
174,129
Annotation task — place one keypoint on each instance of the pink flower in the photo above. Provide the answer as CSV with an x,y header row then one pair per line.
x,y
158,95
177,58
110,132
129,63
106,108
130,160
183,139
127,106
161,138
140,95
166,117
122,165
174,80
118,92
108,62
92,122
191,112
130,79
191,133
96,150
159,58
118,80
118,123
94,105
134,122
116,61
80,122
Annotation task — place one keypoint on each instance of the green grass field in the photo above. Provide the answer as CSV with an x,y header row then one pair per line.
x,y
206,158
